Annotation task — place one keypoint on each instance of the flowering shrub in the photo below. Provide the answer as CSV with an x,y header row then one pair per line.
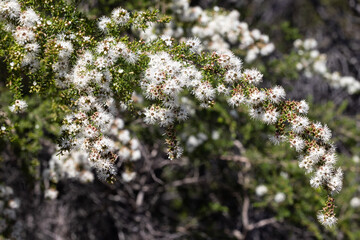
x,y
92,70
312,62
221,30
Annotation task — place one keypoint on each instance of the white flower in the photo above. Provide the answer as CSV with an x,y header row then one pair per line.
x,y
171,88
298,143
66,48
335,182
320,66
120,16
261,190
194,44
270,116
330,158
204,91
253,76
221,89
315,181
124,136
310,43
302,107
85,103
151,115
257,97
32,47
299,66
267,49
166,117
215,135
14,203
326,220
103,119
135,155
51,193
128,176
299,124
324,172
256,113
104,168
355,202
104,145
24,35
19,106
325,133
12,8
251,54
315,153
307,162
277,94
29,18
236,99
86,177
183,114
232,76
30,60
298,43
103,23
277,139
167,40
280,197
256,34
124,153
91,131
134,144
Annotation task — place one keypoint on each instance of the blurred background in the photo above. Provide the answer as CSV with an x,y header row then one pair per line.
x,y
232,183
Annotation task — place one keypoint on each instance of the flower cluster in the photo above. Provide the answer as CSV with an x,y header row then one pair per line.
x,y
89,125
74,164
94,111
24,33
261,190
219,30
327,215
19,106
310,139
168,72
313,62
119,16
121,19
279,197
355,202
128,149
